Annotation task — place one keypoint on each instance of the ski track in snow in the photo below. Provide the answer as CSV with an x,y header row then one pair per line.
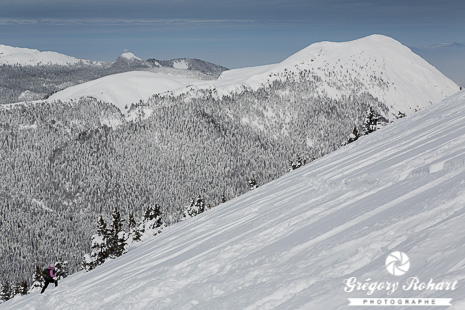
x,y
291,243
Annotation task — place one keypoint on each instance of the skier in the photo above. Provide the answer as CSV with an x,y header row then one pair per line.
x,y
49,276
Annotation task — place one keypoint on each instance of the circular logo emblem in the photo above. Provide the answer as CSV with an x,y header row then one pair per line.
x,y
397,263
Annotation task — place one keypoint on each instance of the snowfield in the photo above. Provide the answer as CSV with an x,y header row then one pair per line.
x,y
123,89
292,243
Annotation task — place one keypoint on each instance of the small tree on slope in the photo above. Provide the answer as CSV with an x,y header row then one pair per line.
x,y
371,121
134,231
37,280
100,251
6,292
253,183
196,207
353,136
152,223
117,237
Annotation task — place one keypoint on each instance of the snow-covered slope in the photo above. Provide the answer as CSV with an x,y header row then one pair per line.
x,y
377,64
123,89
25,56
292,243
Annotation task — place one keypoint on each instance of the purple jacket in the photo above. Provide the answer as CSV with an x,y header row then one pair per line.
x,y
51,273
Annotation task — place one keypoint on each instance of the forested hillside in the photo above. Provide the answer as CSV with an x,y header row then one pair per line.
x,y
61,167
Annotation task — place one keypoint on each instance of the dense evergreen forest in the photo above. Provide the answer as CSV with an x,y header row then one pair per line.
x,y
62,167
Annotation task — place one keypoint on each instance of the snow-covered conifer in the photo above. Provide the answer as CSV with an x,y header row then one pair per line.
x,y
294,164
61,268
152,223
134,231
6,293
20,288
87,263
99,245
353,136
196,207
253,183
117,237
23,287
37,280
371,121
15,289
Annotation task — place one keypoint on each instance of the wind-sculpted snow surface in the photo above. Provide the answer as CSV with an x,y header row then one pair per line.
x,y
292,243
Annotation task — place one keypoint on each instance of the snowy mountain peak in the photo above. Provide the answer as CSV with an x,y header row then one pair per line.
x,y
377,65
130,56
31,57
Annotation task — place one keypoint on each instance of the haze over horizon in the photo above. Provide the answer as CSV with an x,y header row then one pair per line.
x,y
230,33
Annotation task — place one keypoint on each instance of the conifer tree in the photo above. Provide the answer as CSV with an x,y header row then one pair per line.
x,y
223,198
189,211
353,136
99,246
196,207
200,204
6,293
15,290
371,121
37,279
61,268
116,241
134,231
23,287
297,163
152,221
87,263
253,183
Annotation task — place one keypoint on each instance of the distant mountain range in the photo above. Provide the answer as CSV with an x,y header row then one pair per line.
x,y
448,57
439,46
31,57
28,74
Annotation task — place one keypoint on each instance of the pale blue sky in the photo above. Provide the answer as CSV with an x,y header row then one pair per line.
x,y
233,33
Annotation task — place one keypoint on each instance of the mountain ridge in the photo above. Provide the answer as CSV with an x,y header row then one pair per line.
x,y
378,65
358,56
